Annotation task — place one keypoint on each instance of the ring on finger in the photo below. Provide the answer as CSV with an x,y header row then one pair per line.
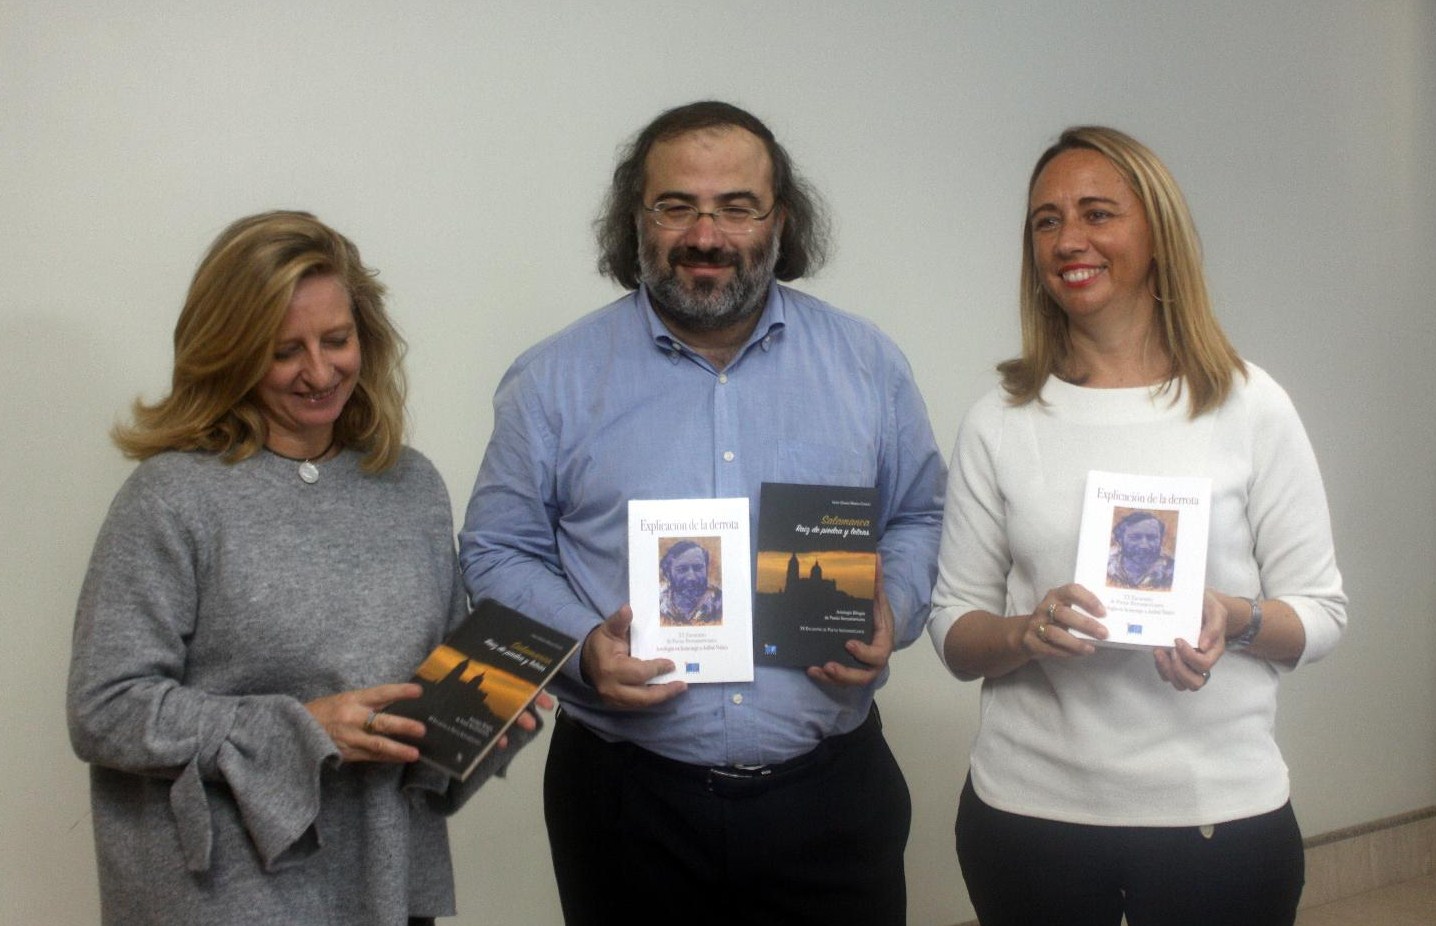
x,y
1052,613
369,721
1042,632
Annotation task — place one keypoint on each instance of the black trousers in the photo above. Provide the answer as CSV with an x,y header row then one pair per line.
x,y
637,837
1023,870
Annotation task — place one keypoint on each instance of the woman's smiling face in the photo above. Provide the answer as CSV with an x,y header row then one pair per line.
x,y
1090,238
314,370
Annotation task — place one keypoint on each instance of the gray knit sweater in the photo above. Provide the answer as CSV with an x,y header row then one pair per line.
x,y
218,600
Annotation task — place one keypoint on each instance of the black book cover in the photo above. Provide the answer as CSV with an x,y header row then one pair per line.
x,y
478,681
816,573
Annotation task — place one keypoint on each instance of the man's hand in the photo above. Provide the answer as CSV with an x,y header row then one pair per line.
x,y
874,656
528,720
620,680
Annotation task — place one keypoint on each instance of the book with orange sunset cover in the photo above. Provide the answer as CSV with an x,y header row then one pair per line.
x,y
478,681
816,573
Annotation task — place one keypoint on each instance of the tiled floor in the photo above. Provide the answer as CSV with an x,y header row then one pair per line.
x,y
1409,903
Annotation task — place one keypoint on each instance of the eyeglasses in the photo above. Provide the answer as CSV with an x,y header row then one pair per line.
x,y
732,220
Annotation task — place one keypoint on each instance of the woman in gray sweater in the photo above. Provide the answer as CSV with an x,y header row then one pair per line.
x,y
274,564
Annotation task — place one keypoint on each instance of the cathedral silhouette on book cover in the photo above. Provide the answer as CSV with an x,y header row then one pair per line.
x,y
814,592
465,697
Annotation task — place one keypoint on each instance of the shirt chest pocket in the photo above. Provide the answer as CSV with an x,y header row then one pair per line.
x,y
815,463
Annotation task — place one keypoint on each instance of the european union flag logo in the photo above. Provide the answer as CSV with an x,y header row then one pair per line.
x,y
1134,629
770,649
690,667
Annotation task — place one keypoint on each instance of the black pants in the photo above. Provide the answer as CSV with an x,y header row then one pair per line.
x,y
636,837
1023,870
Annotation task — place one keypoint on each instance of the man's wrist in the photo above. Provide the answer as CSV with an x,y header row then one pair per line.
x,y
583,658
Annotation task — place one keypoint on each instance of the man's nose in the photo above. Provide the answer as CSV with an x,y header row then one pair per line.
x,y
705,233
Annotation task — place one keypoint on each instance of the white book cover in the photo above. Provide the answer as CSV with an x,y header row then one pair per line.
x,y
1143,552
690,587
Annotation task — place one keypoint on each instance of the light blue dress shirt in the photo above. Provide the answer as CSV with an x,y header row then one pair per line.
x,y
615,408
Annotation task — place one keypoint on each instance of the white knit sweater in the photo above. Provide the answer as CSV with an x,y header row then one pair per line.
x,y
1102,739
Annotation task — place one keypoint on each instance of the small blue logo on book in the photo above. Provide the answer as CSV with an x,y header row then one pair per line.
x,y
1134,629
770,649
690,667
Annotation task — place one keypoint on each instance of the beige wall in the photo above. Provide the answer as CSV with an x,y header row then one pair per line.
x,y
465,146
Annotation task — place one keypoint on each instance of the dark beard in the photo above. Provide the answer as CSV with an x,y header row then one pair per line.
x,y
708,306
1137,566
688,595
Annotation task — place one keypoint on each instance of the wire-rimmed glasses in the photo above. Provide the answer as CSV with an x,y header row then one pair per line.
x,y
731,220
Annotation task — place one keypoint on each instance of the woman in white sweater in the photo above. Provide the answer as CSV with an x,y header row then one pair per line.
x,y
1111,781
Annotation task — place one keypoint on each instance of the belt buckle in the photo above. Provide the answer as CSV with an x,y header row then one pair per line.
x,y
736,781
740,773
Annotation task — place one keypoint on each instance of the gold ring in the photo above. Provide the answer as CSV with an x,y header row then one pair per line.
x,y
369,722
1042,632
1052,612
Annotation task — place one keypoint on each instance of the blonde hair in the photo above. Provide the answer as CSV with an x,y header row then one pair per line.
x,y
1203,360
224,344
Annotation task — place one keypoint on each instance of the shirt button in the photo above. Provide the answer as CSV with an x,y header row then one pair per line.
x,y
727,456
737,699
722,377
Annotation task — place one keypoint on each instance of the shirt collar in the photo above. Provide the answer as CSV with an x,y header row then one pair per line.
x,y
773,319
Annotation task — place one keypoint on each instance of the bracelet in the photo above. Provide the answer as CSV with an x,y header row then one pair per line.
x,y
1248,636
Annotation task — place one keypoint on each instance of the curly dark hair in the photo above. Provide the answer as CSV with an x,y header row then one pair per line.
x,y
1119,530
803,247
677,550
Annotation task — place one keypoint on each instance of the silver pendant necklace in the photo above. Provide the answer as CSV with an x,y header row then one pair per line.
x,y
308,472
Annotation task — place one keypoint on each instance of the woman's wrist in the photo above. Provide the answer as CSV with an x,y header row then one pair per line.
x,y
1241,636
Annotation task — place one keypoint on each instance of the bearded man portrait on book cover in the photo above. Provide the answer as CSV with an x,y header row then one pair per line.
x,y
687,598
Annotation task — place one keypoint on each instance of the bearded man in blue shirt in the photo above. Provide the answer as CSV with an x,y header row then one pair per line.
x,y
771,801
